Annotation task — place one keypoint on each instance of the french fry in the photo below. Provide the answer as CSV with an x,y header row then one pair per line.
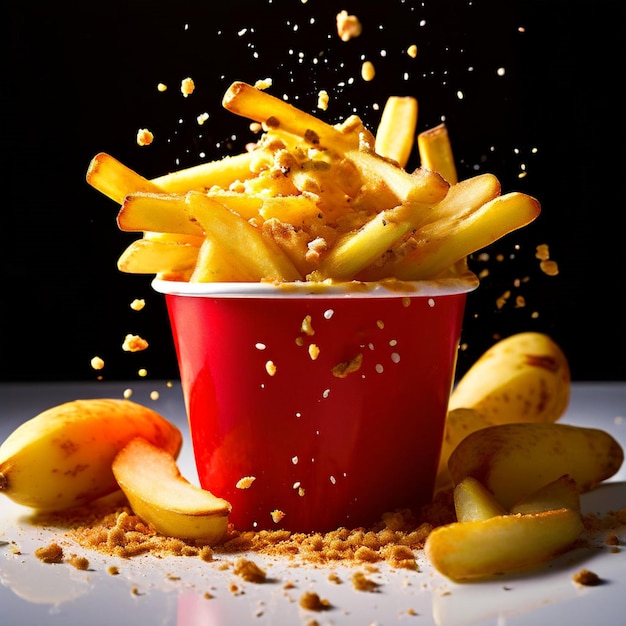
x,y
259,255
214,264
163,213
144,256
220,173
396,130
116,180
424,186
436,152
357,250
247,101
442,243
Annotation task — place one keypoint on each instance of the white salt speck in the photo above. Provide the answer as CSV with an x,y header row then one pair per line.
x,y
460,95
370,346
326,393
395,357
260,346
294,460
328,313
379,368
333,480
298,414
431,303
500,71
393,342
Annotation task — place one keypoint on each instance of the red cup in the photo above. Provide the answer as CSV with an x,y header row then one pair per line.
x,y
334,400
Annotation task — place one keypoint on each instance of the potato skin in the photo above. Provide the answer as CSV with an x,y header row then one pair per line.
x,y
513,460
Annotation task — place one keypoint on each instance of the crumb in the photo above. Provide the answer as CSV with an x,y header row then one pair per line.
x,y
322,100
249,571
143,372
187,87
362,583
127,393
368,71
277,516
341,370
79,562
270,368
97,363
412,51
161,87
134,343
333,577
587,578
348,26
154,395
52,553
202,118
265,83
144,137
314,351
549,267
137,304
306,326
312,602
245,482
113,570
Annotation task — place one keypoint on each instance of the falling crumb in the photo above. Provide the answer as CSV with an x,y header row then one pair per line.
x,y
314,351
249,571
549,267
368,71
311,601
245,482
348,26
142,372
97,363
306,326
137,304
127,393
52,553
277,516
333,577
270,368
161,87
341,370
144,137
187,87
362,583
412,51
134,343
587,578
265,83
322,100
113,570
202,118
154,395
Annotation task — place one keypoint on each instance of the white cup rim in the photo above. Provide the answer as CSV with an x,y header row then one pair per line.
x,y
453,285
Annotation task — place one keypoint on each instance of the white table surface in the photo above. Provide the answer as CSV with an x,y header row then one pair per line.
x,y
170,591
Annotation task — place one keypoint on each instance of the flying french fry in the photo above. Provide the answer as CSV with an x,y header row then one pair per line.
x,y
435,152
145,256
394,136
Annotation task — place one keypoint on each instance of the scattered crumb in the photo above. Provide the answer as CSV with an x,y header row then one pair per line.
x,y
311,601
187,87
97,363
144,137
368,71
143,372
127,393
202,118
113,570
161,87
307,327
265,83
134,343
270,368
412,51
348,26
362,583
341,370
245,482
249,571
154,395
79,562
587,578
314,351
137,304
277,516
322,100
52,553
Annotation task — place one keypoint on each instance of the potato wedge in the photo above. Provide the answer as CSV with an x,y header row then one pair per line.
x,y
474,502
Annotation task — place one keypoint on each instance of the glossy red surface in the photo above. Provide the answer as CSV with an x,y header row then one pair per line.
x,y
326,451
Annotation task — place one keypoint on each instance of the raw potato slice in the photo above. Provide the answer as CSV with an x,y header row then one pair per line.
x,y
162,497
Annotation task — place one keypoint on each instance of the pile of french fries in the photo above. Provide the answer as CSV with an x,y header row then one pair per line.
x,y
311,201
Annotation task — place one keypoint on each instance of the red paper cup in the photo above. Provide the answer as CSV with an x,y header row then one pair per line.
x,y
326,406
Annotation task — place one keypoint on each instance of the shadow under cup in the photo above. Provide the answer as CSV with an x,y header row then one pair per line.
x,y
333,401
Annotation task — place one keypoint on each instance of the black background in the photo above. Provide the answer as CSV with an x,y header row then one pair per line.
x,y
80,78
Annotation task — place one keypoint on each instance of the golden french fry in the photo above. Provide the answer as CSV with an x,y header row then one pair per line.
x,y
435,152
214,264
442,243
163,213
221,173
396,130
298,211
259,254
192,240
116,180
423,185
278,115
144,256
357,250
